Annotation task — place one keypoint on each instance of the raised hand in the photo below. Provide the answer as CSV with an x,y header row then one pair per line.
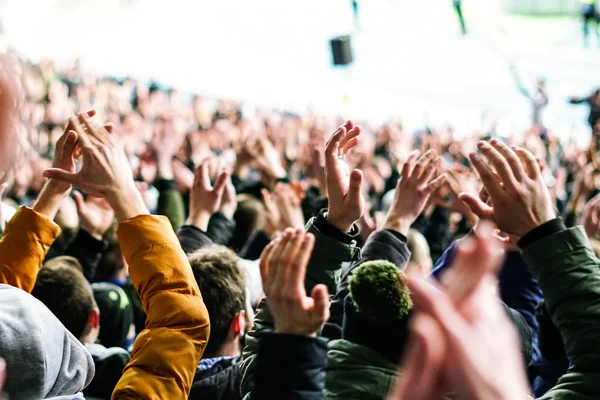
x,y
95,214
228,201
105,171
520,198
205,199
344,188
461,335
283,269
414,188
289,204
590,219
66,153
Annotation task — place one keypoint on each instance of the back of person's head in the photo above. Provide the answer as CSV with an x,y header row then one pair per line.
x,y
61,286
377,310
420,262
248,218
111,263
223,288
43,359
117,327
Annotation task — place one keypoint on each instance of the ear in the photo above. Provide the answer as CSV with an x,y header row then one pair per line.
x,y
94,318
238,325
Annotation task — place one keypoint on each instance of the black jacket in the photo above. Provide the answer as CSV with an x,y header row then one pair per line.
x,y
290,367
218,381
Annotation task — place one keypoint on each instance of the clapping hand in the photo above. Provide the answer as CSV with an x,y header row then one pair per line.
x,y
105,171
95,214
205,199
283,269
414,188
518,194
344,187
461,338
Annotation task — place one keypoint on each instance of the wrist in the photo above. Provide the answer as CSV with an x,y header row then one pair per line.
x,y
200,220
401,225
338,222
164,169
294,331
126,202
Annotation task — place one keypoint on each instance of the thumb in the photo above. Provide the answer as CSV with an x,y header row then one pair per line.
x,y
479,208
355,190
320,295
220,183
60,175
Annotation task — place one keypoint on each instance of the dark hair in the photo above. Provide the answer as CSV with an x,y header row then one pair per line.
x,y
112,259
248,218
223,288
62,287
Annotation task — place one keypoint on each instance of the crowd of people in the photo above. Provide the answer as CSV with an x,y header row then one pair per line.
x,y
163,246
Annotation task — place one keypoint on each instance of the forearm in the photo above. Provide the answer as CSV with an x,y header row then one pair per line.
x,y
49,200
175,311
23,247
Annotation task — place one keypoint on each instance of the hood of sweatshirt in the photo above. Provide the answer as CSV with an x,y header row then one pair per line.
x,y
43,359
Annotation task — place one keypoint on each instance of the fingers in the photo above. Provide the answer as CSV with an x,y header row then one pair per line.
x,y
511,157
268,199
320,296
61,175
477,257
499,162
478,207
278,262
355,189
82,137
220,183
298,260
488,177
203,177
423,361
94,132
331,150
423,162
349,140
435,184
407,168
264,263
531,164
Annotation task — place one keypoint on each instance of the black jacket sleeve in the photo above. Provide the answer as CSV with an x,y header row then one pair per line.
x,y
381,245
290,367
255,245
192,239
220,229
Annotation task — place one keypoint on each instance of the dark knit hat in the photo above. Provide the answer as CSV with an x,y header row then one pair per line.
x,y
116,315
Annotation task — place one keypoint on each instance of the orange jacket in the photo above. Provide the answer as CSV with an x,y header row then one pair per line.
x,y
165,354
23,247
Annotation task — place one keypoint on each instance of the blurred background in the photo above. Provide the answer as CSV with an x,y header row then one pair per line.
x,y
410,59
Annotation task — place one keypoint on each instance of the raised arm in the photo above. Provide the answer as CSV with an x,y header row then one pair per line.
x,y
165,355
415,186
561,258
31,232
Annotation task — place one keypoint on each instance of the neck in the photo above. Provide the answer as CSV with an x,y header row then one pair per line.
x,y
229,349
121,274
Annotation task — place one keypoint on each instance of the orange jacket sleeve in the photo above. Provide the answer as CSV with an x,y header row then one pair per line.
x,y
23,247
165,354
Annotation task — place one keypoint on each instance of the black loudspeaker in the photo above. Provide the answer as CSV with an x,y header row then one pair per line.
x,y
341,50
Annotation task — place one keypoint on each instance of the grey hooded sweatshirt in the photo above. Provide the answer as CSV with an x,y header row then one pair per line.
x,y
43,359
